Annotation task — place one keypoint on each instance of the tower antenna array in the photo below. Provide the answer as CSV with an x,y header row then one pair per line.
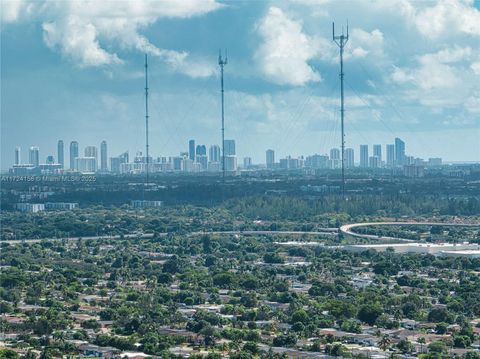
x,y
146,116
341,41
222,62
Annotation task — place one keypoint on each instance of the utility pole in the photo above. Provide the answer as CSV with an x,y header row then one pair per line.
x,y
222,62
146,116
341,41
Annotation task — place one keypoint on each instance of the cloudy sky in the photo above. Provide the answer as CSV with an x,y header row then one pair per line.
x,y
73,70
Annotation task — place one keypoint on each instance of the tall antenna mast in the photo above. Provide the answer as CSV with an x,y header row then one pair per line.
x,y
341,41
222,62
146,115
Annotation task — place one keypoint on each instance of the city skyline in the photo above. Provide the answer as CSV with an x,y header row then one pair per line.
x,y
197,159
97,91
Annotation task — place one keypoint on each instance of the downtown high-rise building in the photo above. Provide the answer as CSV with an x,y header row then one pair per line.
x,y
247,162
73,154
399,152
349,158
270,158
335,154
230,148
377,151
103,156
214,153
34,156
18,155
191,150
91,151
60,153
364,156
200,150
390,155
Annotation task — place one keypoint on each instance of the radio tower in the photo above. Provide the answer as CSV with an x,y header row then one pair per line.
x,y
222,62
341,41
146,115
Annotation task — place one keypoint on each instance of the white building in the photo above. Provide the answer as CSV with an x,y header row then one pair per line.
x,y
30,207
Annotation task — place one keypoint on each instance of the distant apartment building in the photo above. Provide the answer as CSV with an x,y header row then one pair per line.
x,y
349,158
377,151
30,207
390,155
18,156
364,156
34,156
86,164
73,154
399,152
60,205
60,153
270,158
145,204
103,156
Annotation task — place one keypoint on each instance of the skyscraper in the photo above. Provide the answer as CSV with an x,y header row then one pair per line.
x,y
334,154
377,151
349,158
34,156
73,154
214,153
91,151
50,160
191,150
247,162
270,158
200,150
230,148
103,156
60,156
18,155
399,152
364,156
390,155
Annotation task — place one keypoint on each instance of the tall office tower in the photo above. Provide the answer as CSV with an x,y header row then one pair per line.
x,y
230,163
116,162
334,154
201,157
91,151
34,156
50,160
364,156
270,158
247,162
349,158
373,162
230,148
390,155
86,164
18,155
191,150
214,153
103,156
200,150
377,151
60,156
399,152
73,154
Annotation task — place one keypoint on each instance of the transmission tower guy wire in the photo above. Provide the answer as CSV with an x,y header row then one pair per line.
x,y
341,41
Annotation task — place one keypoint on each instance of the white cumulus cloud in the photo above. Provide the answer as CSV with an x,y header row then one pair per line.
x,y
285,50
92,33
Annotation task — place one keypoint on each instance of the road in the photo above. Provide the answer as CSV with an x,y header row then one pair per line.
x,y
347,229
326,232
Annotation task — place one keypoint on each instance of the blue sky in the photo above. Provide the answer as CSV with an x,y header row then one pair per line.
x,y
73,70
